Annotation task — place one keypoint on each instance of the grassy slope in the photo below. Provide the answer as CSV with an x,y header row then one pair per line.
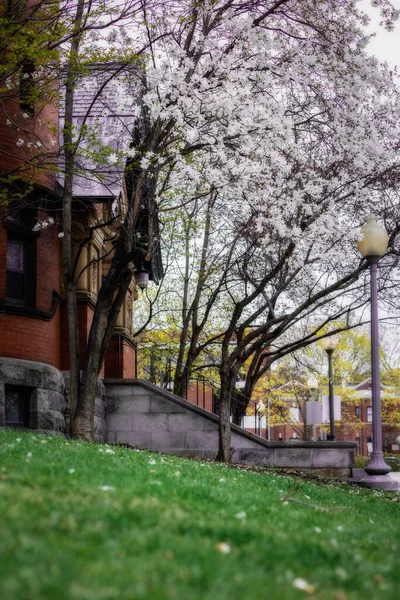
x,y
156,532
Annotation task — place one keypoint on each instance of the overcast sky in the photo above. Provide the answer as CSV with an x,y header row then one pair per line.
x,y
385,46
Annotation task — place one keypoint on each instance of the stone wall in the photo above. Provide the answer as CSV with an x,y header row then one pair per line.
x,y
144,416
48,404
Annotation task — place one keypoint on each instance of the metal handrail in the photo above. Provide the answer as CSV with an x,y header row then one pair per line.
x,y
163,378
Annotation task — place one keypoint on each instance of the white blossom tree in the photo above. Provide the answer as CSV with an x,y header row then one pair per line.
x,y
274,103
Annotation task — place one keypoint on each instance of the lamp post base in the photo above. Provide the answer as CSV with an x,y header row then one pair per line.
x,y
377,465
379,482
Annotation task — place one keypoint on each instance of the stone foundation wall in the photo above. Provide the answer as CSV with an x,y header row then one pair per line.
x,y
48,404
146,417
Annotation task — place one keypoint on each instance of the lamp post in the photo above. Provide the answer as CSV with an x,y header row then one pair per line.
x,y
329,344
261,410
312,384
373,246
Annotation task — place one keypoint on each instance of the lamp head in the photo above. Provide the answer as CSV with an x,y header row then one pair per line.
x,y
375,238
312,383
330,343
142,279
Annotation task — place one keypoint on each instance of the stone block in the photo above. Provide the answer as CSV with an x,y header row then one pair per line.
x,y
187,421
110,404
138,390
136,439
57,401
111,436
159,404
119,422
59,422
210,424
100,408
100,430
40,399
167,440
15,371
293,457
39,419
209,453
150,422
240,441
119,390
130,405
250,456
206,440
330,457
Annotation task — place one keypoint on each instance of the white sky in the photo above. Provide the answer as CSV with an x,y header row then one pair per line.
x,y
385,45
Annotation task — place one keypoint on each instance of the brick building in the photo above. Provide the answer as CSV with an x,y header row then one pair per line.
x,y
33,321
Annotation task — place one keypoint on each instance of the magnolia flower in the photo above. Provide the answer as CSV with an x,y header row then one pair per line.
x,y
20,142
223,548
241,515
109,451
61,234
302,584
113,158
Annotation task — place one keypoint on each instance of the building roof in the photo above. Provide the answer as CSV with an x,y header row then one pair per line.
x,y
105,101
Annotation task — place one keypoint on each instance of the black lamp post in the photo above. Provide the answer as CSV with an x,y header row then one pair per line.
x,y
329,344
373,246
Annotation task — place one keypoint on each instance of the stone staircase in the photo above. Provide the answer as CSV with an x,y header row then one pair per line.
x,y
145,416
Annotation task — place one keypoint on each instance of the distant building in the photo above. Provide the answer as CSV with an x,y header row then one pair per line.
x,y
353,422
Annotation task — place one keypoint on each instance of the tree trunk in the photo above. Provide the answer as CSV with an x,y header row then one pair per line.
x,y
104,319
227,385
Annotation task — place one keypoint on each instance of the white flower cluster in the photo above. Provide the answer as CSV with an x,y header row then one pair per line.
x,y
44,224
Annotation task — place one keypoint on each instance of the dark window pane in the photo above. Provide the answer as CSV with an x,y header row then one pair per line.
x,y
15,256
17,406
19,277
13,409
16,287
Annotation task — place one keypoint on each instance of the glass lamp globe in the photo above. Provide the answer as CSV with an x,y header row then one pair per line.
x,y
142,279
375,238
312,383
330,343
261,406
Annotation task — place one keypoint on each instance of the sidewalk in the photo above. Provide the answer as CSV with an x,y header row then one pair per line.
x,y
395,476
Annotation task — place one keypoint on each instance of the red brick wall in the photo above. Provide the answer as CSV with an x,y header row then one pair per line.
x,y
48,265
26,337
30,339
20,157
201,396
120,359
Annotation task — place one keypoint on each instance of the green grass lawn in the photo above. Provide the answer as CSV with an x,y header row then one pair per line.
x,y
92,522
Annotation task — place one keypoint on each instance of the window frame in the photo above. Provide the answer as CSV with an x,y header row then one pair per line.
x,y
24,395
